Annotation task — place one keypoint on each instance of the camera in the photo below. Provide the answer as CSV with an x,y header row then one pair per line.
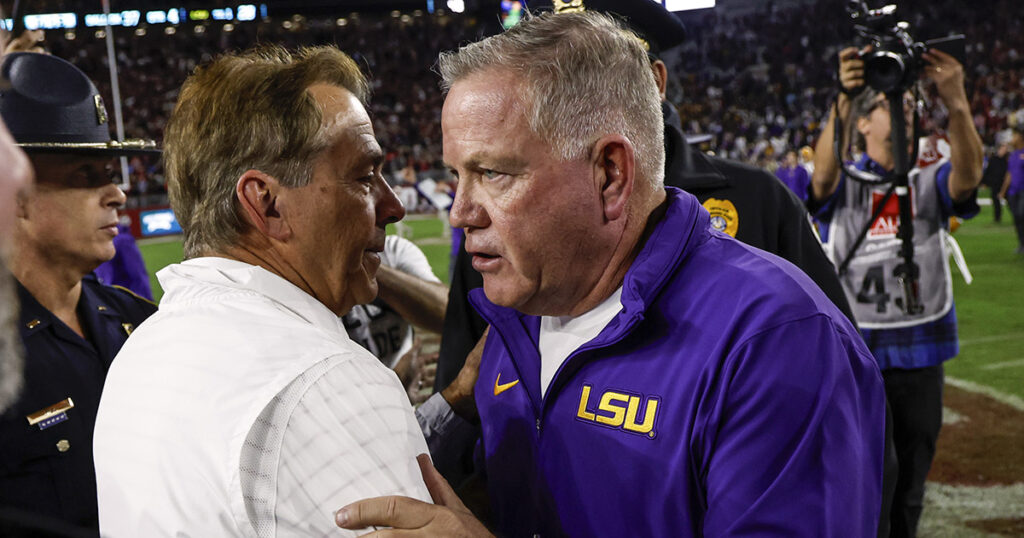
x,y
896,59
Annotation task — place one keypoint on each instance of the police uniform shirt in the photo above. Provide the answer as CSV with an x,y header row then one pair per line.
x,y
46,468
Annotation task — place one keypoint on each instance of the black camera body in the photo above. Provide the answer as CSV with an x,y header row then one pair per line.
x,y
896,60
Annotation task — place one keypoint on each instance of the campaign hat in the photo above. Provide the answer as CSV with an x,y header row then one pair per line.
x,y
51,106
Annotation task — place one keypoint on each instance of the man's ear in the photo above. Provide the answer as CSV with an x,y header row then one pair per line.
x,y
660,76
23,197
615,166
258,194
863,124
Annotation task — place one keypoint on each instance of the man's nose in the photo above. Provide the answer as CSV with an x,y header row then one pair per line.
x,y
466,212
389,207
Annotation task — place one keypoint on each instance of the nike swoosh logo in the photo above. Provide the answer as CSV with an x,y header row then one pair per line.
x,y
499,387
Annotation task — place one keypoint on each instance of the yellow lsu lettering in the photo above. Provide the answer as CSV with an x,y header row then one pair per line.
x,y
616,409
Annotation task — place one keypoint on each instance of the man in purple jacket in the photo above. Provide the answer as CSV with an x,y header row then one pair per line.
x,y
645,375
793,175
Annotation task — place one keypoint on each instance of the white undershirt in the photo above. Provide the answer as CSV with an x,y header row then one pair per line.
x,y
561,335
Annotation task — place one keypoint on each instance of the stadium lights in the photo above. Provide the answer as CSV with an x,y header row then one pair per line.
x,y
124,18
140,32
341,22
687,5
169,30
69,35
246,12
457,6
49,21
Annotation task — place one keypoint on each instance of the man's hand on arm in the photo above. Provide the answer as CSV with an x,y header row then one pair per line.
x,y
966,153
416,370
410,517
420,302
826,167
459,394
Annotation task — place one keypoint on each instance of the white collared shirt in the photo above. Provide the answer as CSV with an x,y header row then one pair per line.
x,y
242,408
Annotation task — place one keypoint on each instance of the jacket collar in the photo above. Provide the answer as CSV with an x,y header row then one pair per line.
x,y
686,167
209,278
94,311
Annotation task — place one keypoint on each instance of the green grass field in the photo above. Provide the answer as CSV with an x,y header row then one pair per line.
x,y
990,311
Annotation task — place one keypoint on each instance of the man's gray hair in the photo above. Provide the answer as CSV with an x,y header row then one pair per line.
x,y
11,351
584,75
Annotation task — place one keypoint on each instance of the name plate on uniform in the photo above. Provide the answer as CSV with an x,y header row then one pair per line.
x,y
51,415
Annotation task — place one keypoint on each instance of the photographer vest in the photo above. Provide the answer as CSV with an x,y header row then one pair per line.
x,y
874,293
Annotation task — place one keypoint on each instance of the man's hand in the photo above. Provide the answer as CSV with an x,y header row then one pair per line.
x,y
966,155
851,69
416,370
28,41
410,517
459,394
948,75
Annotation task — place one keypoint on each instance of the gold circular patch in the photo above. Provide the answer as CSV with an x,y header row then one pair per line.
x,y
724,217
63,445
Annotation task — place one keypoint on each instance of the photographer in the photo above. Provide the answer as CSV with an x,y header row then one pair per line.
x,y
909,347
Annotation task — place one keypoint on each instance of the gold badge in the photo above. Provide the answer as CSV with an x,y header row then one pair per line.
x,y
101,111
568,6
128,328
724,217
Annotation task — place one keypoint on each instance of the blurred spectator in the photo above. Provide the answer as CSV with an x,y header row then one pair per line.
x,y
995,173
1013,185
794,175
127,268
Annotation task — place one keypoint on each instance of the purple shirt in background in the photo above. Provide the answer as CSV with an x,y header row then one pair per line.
x,y
1015,166
127,268
796,179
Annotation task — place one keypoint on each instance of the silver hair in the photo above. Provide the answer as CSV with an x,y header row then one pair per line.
x,y
11,352
583,76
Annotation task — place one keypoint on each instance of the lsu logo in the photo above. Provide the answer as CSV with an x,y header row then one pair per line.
x,y
724,216
620,411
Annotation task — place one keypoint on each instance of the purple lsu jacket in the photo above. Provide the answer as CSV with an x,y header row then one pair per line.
x,y
729,397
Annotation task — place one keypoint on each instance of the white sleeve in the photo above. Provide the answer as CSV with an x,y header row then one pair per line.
x,y
404,255
340,432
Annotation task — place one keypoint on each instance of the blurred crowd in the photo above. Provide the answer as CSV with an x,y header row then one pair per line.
x,y
759,84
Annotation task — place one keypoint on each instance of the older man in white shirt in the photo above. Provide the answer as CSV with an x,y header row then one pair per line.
x,y
242,408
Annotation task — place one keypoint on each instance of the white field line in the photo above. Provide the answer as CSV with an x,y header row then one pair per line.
x,y
1005,364
1009,399
992,338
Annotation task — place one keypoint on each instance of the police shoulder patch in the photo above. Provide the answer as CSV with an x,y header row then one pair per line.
x,y
724,217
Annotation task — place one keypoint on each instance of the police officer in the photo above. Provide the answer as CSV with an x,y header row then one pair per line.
x,y
71,325
747,203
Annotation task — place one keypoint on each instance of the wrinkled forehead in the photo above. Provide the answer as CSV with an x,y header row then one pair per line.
x,y
341,112
489,96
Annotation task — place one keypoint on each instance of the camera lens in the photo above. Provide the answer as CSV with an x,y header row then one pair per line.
x,y
884,70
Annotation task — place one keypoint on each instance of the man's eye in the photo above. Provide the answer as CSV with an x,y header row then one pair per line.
x,y
490,174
